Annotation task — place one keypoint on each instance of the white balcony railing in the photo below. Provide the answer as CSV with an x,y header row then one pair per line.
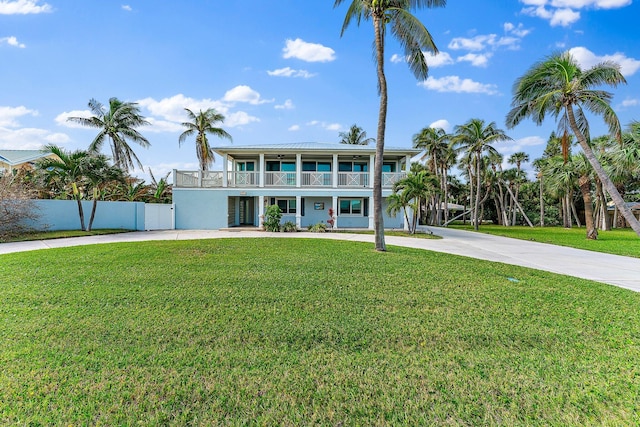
x,y
214,179
390,178
353,179
280,179
317,179
243,179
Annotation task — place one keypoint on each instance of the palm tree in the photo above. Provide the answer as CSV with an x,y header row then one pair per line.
x,y
202,124
355,136
117,124
517,159
416,187
560,87
69,170
585,171
475,138
415,39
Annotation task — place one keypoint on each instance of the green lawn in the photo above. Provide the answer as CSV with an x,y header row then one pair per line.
x,y
618,242
61,234
305,331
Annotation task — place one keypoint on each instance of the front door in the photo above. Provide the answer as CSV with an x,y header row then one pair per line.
x,y
247,214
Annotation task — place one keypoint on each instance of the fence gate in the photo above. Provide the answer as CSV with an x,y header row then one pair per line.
x,y
159,216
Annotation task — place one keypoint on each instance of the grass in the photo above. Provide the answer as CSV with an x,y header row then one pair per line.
x,y
618,242
61,234
396,233
303,331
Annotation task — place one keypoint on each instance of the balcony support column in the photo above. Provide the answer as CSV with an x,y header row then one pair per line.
x,y
261,172
298,170
334,204
334,172
261,212
370,213
298,212
225,170
407,164
372,162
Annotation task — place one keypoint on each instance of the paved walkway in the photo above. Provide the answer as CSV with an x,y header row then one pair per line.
x,y
612,269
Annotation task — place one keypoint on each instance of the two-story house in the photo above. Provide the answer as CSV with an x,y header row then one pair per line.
x,y
305,180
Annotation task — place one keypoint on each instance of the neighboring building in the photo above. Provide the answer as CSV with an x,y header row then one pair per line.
x,y
13,160
304,179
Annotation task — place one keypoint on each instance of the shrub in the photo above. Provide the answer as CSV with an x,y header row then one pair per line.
x,y
272,217
289,227
16,206
320,227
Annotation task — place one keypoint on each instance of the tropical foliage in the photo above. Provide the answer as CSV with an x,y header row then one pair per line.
x,y
201,124
415,40
117,124
355,136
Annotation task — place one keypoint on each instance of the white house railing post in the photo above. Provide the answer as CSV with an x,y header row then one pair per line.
x,y
372,162
335,171
261,166
298,169
225,170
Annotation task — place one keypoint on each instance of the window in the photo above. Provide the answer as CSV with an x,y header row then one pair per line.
x,y
352,167
388,167
245,166
287,206
351,207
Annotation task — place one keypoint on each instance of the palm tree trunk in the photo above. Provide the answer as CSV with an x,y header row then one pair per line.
x,y
78,197
93,209
541,203
602,175
585,188
378,220
606,225
575,212
446,196
476,209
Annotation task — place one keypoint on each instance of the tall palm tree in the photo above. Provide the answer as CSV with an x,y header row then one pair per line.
x,y
117,124
559,86
202,124
438,154
355,136
415,39
475,138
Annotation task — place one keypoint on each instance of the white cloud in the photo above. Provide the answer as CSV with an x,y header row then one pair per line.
x,y
29,138
518,31
476,43
310,52
290,72
566,12
325,125
12,41
629,102
162,126
239,118
61,119
8,115
294,128
441,124
433,61
587,59
23,7
243,93
477,60
458,85
127,7
288,105
172,109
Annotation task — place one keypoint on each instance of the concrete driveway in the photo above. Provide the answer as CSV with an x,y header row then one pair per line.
x,y
612,269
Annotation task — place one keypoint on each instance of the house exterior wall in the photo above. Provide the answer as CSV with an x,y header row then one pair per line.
x,y
200,209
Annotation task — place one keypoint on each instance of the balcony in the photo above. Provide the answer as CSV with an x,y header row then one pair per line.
x,y
215,179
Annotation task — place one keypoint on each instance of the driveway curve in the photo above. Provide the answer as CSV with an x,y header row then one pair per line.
x,y
611,269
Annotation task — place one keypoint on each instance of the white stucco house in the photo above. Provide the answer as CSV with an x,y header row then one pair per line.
x,y
304,179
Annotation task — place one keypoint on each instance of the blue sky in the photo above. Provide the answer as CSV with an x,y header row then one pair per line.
x,y
280,72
